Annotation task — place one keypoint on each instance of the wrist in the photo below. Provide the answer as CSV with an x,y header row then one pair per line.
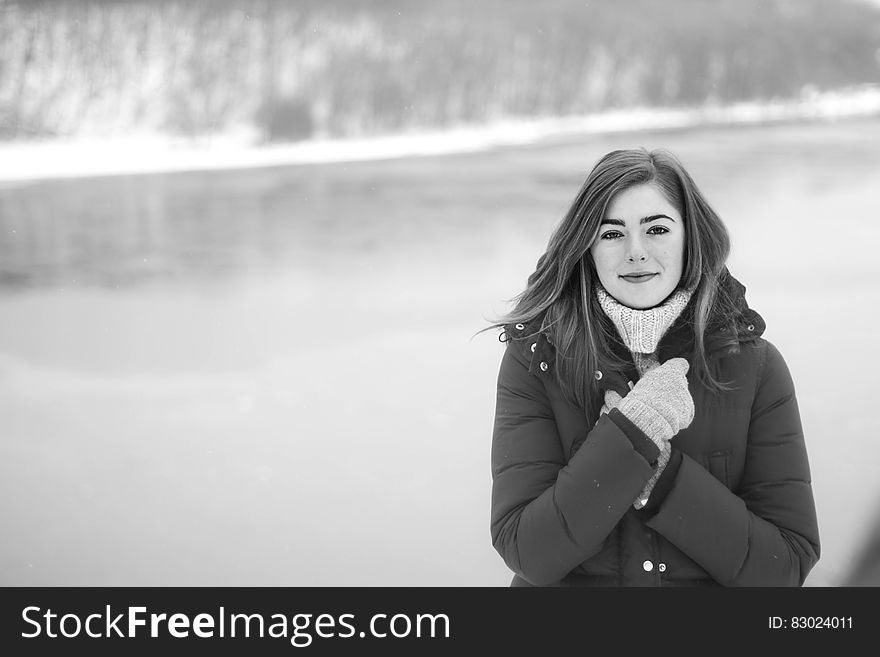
x,y
663,459
640,442
664,483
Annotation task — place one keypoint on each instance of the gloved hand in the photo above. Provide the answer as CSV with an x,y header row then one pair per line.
x,y
612,399
660,404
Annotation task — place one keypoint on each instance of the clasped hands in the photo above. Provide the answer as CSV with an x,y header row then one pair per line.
x,y
659,404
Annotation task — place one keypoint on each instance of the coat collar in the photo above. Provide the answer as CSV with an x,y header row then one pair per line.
x,y
724,333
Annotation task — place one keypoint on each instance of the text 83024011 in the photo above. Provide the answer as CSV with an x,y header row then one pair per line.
x,y
810,623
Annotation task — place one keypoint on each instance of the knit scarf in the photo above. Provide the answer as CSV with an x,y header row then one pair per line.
x,y
641,330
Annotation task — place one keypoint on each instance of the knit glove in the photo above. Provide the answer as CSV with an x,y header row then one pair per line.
x,y
660,403
612,400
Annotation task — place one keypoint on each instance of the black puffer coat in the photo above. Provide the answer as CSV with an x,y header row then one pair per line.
x,y
734,507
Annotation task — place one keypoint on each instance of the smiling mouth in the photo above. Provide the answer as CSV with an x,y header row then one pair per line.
x,y
638,278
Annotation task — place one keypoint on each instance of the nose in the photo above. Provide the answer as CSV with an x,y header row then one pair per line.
x,y
635,251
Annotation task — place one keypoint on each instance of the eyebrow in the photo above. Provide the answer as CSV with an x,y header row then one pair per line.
x,y
643,220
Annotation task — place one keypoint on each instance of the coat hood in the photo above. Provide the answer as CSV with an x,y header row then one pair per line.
x,y
731,323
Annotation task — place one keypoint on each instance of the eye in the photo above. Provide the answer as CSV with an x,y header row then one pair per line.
x,y
657,230
611,234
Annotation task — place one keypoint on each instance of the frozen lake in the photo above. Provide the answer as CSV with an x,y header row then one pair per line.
x,y
267,377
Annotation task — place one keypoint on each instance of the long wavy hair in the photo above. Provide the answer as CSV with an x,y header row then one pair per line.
x,y
562,285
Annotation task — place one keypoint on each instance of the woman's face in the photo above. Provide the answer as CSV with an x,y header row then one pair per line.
x,y
639,252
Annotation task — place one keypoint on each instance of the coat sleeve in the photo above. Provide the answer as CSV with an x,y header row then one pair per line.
x,y
548,513
765,534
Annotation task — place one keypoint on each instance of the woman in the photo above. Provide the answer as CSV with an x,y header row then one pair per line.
x,y
645,433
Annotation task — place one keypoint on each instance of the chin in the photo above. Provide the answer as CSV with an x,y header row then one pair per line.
x,y
642,301
638,305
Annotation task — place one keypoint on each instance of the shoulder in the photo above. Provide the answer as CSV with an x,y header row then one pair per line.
x,y
763,362
526,334
524,329
774,371
764,353
528,343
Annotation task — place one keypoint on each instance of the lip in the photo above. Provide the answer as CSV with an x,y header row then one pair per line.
x,y
638,277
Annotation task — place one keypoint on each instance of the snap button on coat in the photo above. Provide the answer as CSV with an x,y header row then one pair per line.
x,y
648,566
544,366
598,375
662,567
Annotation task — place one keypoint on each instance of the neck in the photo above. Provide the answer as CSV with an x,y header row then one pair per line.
x,y
641,330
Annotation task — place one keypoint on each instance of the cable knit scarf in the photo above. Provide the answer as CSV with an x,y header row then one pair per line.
x,y
641,330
